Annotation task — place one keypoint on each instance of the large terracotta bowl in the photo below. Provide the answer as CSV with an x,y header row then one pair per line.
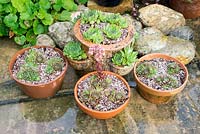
x,y
101,114
39,90
153,95
108,48
188,9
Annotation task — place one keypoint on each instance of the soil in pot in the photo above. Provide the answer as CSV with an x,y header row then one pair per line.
x,y
160,74
102,94
38,66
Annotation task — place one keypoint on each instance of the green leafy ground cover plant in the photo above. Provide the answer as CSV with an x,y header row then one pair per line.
x,y
25,19
74,51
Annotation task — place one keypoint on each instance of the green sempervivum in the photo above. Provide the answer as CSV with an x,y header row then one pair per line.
x,y
167,82
125,57
117,19
146,69
34,57
28,72
74,51
112,31
90,16
173,68
94,35
54,64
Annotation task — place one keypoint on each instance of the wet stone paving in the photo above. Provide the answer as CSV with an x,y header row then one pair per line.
x,y
20,114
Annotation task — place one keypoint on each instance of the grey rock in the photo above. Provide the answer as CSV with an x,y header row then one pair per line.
x,y
161,17
181,49
184,32
61,33
44,40
150,39
137,24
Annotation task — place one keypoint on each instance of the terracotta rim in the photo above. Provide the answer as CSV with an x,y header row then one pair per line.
x,y
112,47
158,92
101,112
20,52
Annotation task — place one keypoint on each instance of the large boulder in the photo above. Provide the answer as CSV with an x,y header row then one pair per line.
x,y
161,17
61,33
44,40
151,40
180,49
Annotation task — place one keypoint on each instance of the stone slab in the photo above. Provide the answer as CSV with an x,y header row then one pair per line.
x,y
61,115
125,5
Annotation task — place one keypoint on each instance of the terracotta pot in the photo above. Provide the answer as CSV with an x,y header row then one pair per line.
x,y
39,90
121,70
153,95
188,9
108,3
80,64
109,49
101,114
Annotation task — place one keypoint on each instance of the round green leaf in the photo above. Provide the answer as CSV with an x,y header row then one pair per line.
x,y
65,15
38,28
20,40
48,20
10,21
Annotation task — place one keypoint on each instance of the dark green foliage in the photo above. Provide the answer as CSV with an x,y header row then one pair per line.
x,y
74,51
94,34
125,57
146,69
22,16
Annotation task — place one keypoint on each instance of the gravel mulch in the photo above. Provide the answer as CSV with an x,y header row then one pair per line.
x,y
107,41
161,66
48,53
104,103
